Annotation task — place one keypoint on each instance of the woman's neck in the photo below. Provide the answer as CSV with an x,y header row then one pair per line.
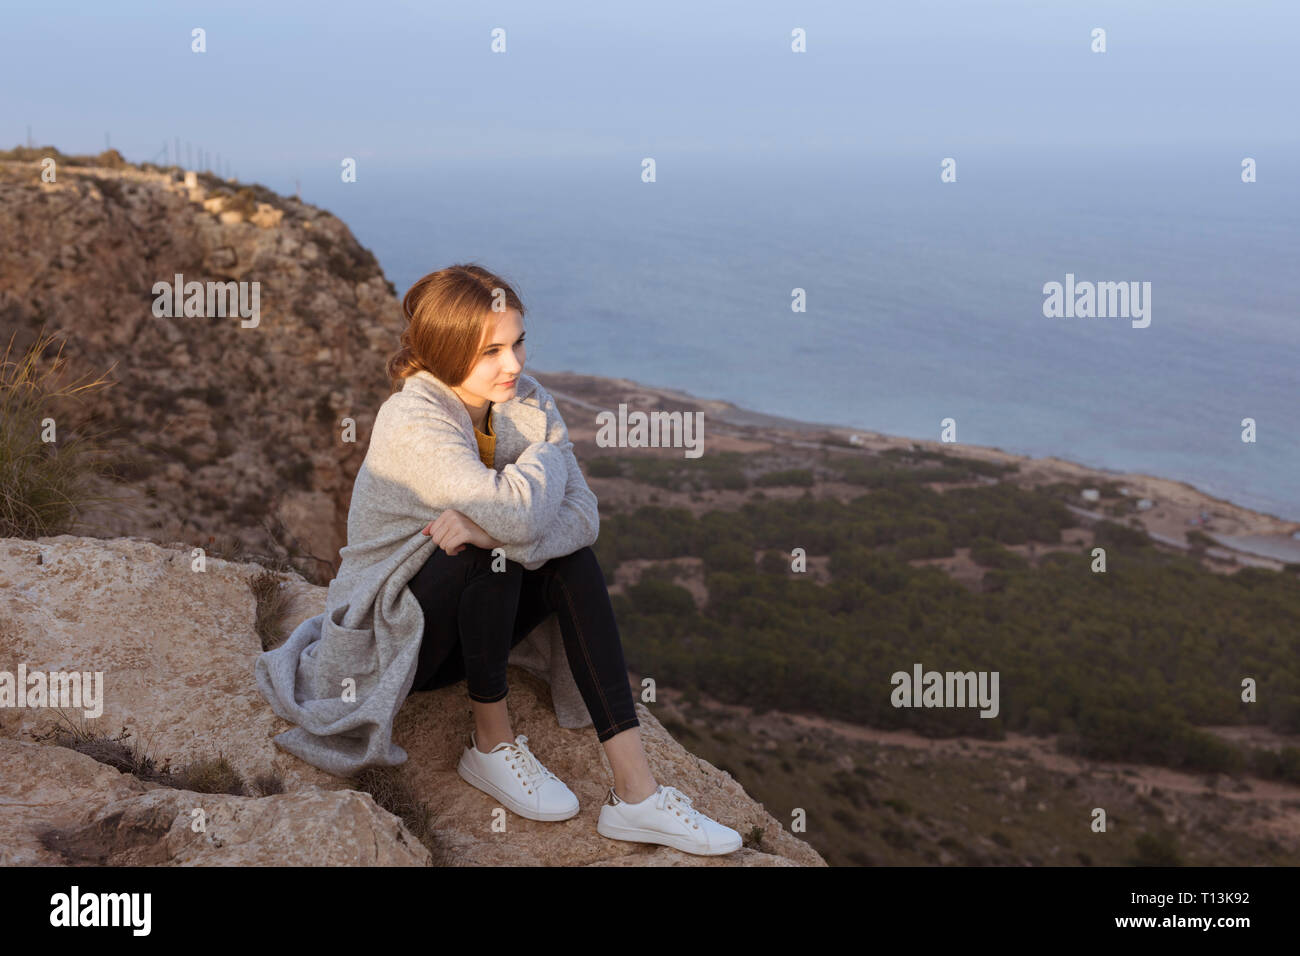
x,y
479,417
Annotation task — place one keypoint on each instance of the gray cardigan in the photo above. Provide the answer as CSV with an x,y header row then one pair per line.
x,y
423,459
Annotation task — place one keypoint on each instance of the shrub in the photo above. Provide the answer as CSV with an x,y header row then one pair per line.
x,y
1154,850
802,477
605,466
43,485
987,553
1110,535
244,203
661,597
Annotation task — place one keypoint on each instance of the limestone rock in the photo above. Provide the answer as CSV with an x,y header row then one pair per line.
x,y
80,257
176,647
59,807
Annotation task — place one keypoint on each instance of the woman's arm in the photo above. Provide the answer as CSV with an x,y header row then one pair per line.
x,y
428,459
576,523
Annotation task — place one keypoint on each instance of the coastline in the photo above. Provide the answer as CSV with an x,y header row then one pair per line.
x,y
1243,536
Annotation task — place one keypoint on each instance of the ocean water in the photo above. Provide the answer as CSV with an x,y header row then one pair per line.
x,y
924,299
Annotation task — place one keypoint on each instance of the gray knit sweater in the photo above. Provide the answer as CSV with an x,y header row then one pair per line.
x,y
423,459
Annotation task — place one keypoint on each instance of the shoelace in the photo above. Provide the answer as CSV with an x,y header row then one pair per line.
x,y
680,802
532,768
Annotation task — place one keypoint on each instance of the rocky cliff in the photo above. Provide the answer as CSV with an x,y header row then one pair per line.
x,y
232,430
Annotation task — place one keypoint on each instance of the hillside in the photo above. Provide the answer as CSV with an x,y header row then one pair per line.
x,y
225,430
1120,689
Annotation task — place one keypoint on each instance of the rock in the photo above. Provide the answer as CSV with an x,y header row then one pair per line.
x,y
84,254
223,259
267,216
60,807
177,646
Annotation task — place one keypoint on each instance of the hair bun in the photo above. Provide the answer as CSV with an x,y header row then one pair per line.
x,y
403,364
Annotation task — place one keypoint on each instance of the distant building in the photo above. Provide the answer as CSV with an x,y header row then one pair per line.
x,y
1090,494
1145,504
855,439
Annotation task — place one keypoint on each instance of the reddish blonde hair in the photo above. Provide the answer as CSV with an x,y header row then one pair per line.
x,y
447,314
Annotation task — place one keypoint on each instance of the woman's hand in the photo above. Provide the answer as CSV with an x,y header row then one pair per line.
x,y
452,530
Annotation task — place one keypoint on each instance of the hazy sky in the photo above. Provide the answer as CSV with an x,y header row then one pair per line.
x,y
290,85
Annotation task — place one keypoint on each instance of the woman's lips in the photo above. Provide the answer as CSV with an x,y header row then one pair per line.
x,y
509,383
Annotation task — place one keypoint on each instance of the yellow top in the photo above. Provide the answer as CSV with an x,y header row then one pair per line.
x,y
486,441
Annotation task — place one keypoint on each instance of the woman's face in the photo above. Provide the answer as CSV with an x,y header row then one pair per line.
x,y
501,358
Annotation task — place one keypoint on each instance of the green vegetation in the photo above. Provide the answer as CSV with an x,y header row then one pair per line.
x,y
989,554
898,467
720,472
1122,665
870,803
799,477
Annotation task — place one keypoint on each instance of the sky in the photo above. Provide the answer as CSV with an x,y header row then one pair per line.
x,y
286,88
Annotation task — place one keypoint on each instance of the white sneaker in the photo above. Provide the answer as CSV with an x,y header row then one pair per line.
x,y
667,817
513,775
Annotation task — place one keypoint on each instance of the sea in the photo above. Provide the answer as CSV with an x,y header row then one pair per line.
x,y
860,289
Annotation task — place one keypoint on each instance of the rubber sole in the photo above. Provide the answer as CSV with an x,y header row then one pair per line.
x,y
615,831
492,790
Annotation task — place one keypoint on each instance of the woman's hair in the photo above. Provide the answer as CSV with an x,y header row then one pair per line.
x,y
447,314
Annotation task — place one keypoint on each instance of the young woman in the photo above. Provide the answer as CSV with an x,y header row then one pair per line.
x,y
465,343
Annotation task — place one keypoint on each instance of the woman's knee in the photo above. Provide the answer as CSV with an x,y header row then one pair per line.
x,y
469,563
480,562
581,565
584,557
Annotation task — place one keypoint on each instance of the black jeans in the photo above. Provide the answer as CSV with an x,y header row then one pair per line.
x,y
473,616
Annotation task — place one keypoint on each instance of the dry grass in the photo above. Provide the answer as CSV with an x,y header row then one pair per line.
x,y
204,775
44,484
272,597
391,789
113,751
